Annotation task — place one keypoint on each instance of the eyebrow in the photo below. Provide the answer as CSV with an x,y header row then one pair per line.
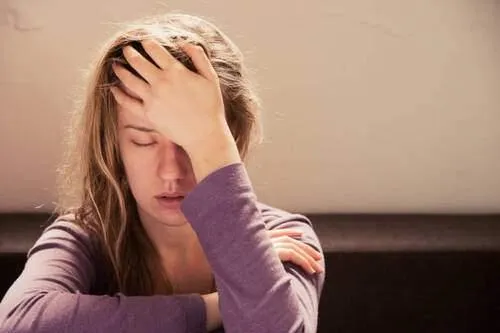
x,y
140,128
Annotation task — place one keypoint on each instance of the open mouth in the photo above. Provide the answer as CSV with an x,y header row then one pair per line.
x,y
170,202
176,198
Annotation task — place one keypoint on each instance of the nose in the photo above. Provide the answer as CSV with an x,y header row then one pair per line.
x,y
172,164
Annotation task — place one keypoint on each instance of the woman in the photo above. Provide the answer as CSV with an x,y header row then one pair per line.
x,y
164,232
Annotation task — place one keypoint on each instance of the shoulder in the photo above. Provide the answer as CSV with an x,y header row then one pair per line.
x,y
66,234
67,244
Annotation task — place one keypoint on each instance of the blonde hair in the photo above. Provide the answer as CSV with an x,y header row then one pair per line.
x,y
92,181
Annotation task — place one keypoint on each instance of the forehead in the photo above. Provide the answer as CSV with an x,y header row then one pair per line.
x,y
129,117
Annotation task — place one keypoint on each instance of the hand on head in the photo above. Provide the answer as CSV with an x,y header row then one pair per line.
x,y
185,106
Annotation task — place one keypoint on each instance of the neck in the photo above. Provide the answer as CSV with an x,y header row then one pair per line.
x,y
170,240
181,254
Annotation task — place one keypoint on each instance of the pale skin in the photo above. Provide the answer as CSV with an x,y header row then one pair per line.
x,y
172,134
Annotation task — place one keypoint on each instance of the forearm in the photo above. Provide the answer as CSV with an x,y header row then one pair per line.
x,y
55,311
214,152
54,294
256,293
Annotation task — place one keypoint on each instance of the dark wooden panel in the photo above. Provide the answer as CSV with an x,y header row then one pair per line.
x,y
411,292
337,232
385,273
11,265
408,232
18,232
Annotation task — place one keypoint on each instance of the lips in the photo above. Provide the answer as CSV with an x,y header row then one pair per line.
x,y
173,195
170,200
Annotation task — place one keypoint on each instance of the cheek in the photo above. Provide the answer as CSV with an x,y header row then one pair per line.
x,y
138,165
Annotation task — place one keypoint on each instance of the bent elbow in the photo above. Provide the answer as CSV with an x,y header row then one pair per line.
x,y
19,318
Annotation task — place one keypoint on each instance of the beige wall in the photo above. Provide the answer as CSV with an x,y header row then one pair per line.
x,y
370,105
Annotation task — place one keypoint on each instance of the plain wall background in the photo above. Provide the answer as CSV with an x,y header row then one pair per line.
x,y
369,106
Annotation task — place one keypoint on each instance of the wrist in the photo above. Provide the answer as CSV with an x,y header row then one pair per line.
x,y
212,153
213,315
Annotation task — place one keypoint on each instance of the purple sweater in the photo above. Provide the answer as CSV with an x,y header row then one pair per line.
x,y
58,288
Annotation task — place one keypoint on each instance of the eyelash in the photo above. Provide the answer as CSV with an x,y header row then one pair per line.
x,y
143,145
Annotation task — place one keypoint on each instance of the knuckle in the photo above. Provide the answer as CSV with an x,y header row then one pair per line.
x,y
146,95
133,58
157,84
160,80
287,253
177,67
295,247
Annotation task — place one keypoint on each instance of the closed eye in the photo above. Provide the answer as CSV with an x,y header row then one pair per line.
x,y
138,144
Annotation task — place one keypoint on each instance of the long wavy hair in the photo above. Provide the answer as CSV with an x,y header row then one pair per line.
x,y
92,182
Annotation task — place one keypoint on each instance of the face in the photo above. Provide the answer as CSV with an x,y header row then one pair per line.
x,y
159,172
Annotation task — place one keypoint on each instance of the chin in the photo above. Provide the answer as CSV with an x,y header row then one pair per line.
x,y
157,215
173,218
173,222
